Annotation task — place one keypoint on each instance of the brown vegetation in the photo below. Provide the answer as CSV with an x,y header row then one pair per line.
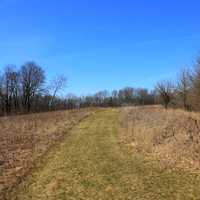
x,y
172,136
25,138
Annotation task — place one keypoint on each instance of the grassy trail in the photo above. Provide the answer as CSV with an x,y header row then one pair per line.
x,y
92,164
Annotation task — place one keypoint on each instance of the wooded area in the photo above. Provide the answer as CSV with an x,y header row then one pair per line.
x,y
25,90
183,92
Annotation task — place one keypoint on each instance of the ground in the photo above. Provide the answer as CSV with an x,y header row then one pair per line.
x,y
93,163
24,139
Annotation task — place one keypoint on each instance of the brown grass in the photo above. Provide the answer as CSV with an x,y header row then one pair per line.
x,y
92,164
172,136
24,139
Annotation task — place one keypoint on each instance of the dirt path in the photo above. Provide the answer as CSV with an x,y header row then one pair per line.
x,y
92,164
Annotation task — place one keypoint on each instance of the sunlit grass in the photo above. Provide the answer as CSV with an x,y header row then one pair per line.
x,y
92,163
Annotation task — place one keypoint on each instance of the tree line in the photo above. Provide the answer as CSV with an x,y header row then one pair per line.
x,y
24,90
116,98
184,92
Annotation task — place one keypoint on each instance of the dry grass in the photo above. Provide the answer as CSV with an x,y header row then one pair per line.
x,y
24,139
172,136
92,164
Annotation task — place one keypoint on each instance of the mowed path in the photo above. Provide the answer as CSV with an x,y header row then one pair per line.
x,y
92,164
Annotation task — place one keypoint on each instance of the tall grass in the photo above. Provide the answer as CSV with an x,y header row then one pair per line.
x,y
25,138
172,136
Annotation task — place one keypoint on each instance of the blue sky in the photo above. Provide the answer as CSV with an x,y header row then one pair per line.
x,y
107,44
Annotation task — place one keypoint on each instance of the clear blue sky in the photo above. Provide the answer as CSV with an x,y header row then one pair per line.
x,y
101,44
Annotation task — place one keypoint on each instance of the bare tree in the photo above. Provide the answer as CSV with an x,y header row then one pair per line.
x,y
72,101
196,85
9,89
115,99
184,87
165,90
32,80
126,95
100,97
57,85
143,95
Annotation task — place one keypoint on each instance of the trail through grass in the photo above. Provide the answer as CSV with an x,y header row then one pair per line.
x,y
92,164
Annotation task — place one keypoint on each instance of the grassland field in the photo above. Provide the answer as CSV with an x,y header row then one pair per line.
x,y
134,153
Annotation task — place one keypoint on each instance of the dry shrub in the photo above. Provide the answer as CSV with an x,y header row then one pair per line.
x,y
25,138
172,136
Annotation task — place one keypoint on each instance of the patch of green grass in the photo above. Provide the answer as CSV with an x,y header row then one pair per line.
x,y
92,164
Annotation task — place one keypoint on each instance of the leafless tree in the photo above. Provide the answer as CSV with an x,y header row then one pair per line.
x,y
100,97
126,95
72,101
9,89
165,90
184,87
57,85
32,80
143,95
196,85
115,94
